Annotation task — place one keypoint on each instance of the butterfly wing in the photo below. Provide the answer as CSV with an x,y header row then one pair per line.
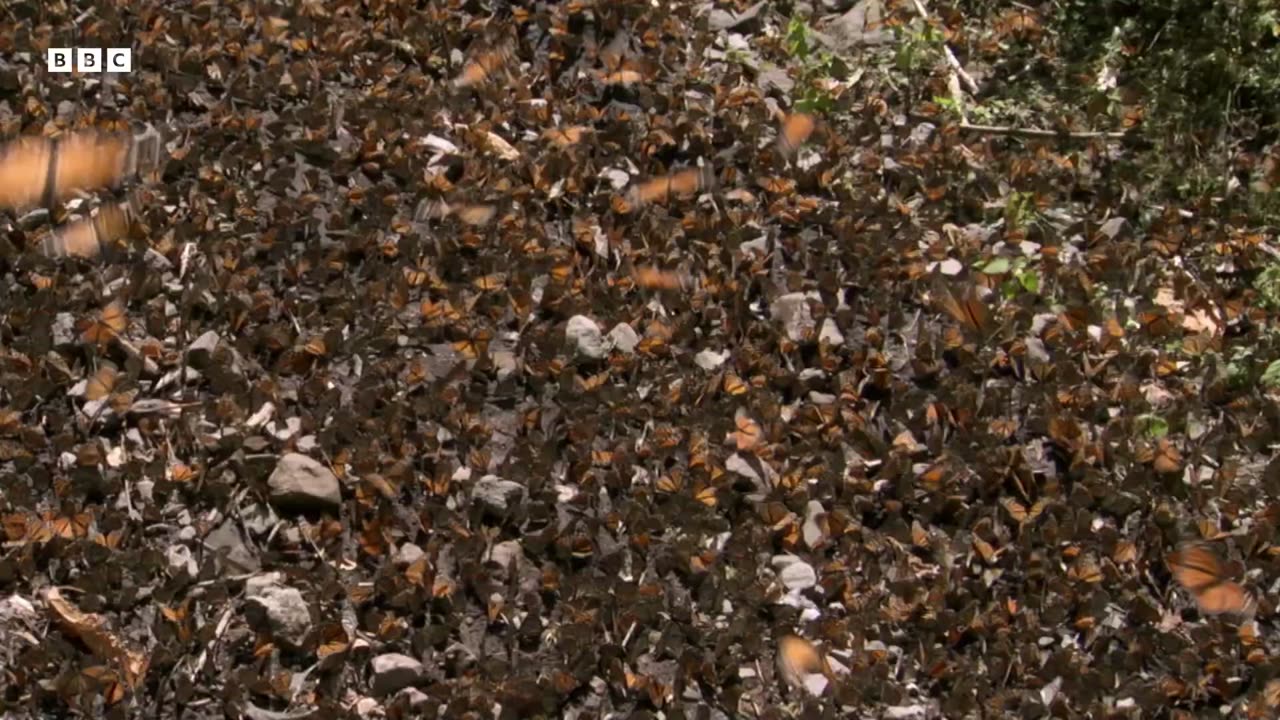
x,y
1195,568
1226,597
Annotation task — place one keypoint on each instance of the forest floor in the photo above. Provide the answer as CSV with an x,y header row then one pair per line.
x,y
565,360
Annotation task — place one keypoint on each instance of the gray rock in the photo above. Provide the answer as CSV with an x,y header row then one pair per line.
x,y
301,484
64,330
497,493
811,531
408,554
413,698
775,78
795,574
505,553
282,609
746,21
201,351
710,360
863,25
180,561
624,338
792,310
906,712
830,333
393,671
253,712
586,337
238,556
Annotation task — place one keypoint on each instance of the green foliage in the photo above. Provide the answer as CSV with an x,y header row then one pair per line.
x,y
918,50
1020,209
1153,426
1205,72
1271,376
1268,286
815,65
1022,276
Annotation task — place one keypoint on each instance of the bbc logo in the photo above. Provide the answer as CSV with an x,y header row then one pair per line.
x,y
90,60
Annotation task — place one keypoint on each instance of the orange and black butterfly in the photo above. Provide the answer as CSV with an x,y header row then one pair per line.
x,y
795,130
88,238
621,67
797,658
682,183
106,326
484,67
475,214
566,137
43,171
1198,569
967,309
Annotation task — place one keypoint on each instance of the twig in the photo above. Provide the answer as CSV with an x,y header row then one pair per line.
x,y
956,68
223,622
1264,247
1031,132
148,365
1041,133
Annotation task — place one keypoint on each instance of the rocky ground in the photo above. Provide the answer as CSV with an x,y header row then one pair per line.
x,y
566,360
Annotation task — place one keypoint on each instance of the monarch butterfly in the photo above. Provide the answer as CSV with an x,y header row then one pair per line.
x,y
625,76
795,131
798,657
682,183
110,322
734,385
482,69
88,238
47,170
476,214
473,347
430,209
747,434
1199,570
652,278
968,309
102,383
564,137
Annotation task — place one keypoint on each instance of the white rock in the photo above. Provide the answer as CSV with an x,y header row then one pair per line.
x,y
792,310
795,574
393,671
497,493
300,483
281,607
624,338
709,360
585,335
830,333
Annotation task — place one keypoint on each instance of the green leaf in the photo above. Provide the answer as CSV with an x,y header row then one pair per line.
x,y
996,266
1271,376
1153,426
1030,280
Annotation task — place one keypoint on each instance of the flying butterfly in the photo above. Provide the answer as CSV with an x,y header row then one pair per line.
x,y
747,434
621,67
797,658
681,183
111,321
1199,570
483,67
88,238
43,171
968,309
565,137
796,129
476,214
652,278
